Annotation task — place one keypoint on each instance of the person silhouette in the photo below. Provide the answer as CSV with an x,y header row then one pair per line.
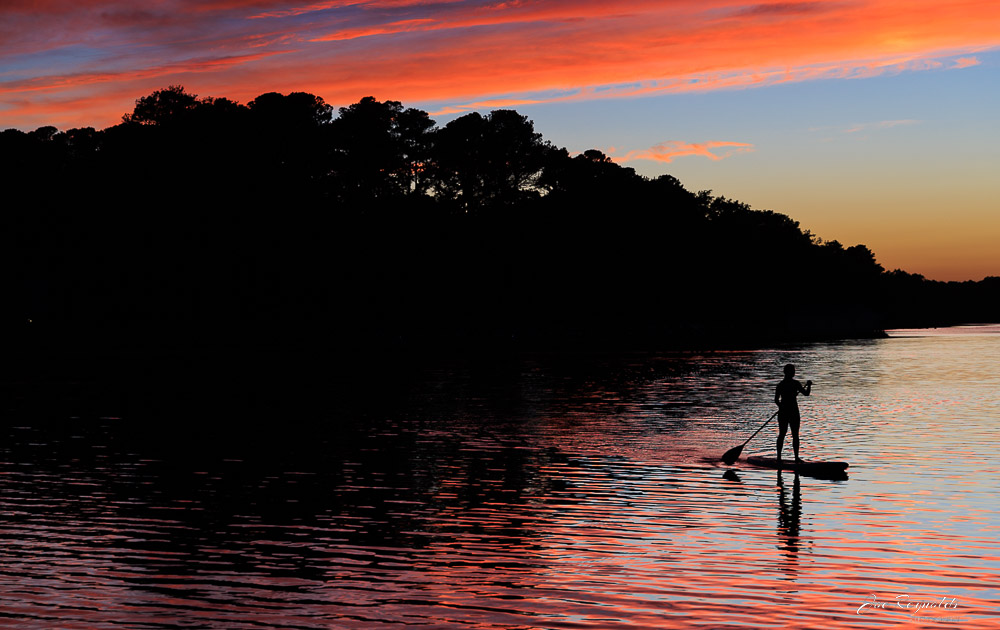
x,y
785,396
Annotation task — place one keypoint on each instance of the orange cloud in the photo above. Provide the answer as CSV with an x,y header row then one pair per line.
x,y
669,151
543,54
367,31
458,54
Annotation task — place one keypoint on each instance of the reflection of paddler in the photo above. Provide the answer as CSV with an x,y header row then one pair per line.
x,y
785,396
789,513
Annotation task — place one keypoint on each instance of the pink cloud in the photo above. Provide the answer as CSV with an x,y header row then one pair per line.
x,y
49,83
496,103
338,4
966,62
671,150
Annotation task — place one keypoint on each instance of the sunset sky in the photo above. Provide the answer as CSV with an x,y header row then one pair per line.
x,y
868,121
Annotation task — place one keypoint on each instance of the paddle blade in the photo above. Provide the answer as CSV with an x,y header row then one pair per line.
x,y
732,455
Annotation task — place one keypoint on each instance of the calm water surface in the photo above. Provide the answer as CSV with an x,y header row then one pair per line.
x,y
541,492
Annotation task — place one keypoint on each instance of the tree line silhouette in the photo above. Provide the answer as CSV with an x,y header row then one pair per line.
x,y
198,221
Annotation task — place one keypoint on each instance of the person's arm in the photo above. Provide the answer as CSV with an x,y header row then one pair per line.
x,y
807,389
777,395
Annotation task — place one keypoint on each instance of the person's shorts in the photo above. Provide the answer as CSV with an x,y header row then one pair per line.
x,y
789,419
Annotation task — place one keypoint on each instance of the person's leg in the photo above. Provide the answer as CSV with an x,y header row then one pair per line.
x,y
795,438
782,428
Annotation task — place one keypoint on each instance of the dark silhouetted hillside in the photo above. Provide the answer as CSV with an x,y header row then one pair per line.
x,y
282,223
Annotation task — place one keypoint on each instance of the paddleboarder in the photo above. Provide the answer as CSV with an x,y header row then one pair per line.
x,y
785,396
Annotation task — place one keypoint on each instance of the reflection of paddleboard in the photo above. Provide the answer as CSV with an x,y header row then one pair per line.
x,y
803,467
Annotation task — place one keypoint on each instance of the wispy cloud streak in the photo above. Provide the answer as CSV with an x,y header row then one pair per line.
x,y
883,124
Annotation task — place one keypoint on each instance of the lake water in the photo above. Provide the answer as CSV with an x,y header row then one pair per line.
x,y
538,492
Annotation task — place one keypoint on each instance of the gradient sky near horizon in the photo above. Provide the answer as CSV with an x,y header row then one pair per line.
x,y
868,121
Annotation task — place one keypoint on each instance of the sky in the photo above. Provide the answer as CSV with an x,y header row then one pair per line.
x,y
868,121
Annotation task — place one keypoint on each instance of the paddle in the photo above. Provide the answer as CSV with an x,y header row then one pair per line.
x,y
733,454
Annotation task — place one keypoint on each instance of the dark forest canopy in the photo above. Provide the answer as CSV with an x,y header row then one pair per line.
x,y
196,220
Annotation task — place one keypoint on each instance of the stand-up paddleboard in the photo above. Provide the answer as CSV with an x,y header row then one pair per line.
x,y
813,467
